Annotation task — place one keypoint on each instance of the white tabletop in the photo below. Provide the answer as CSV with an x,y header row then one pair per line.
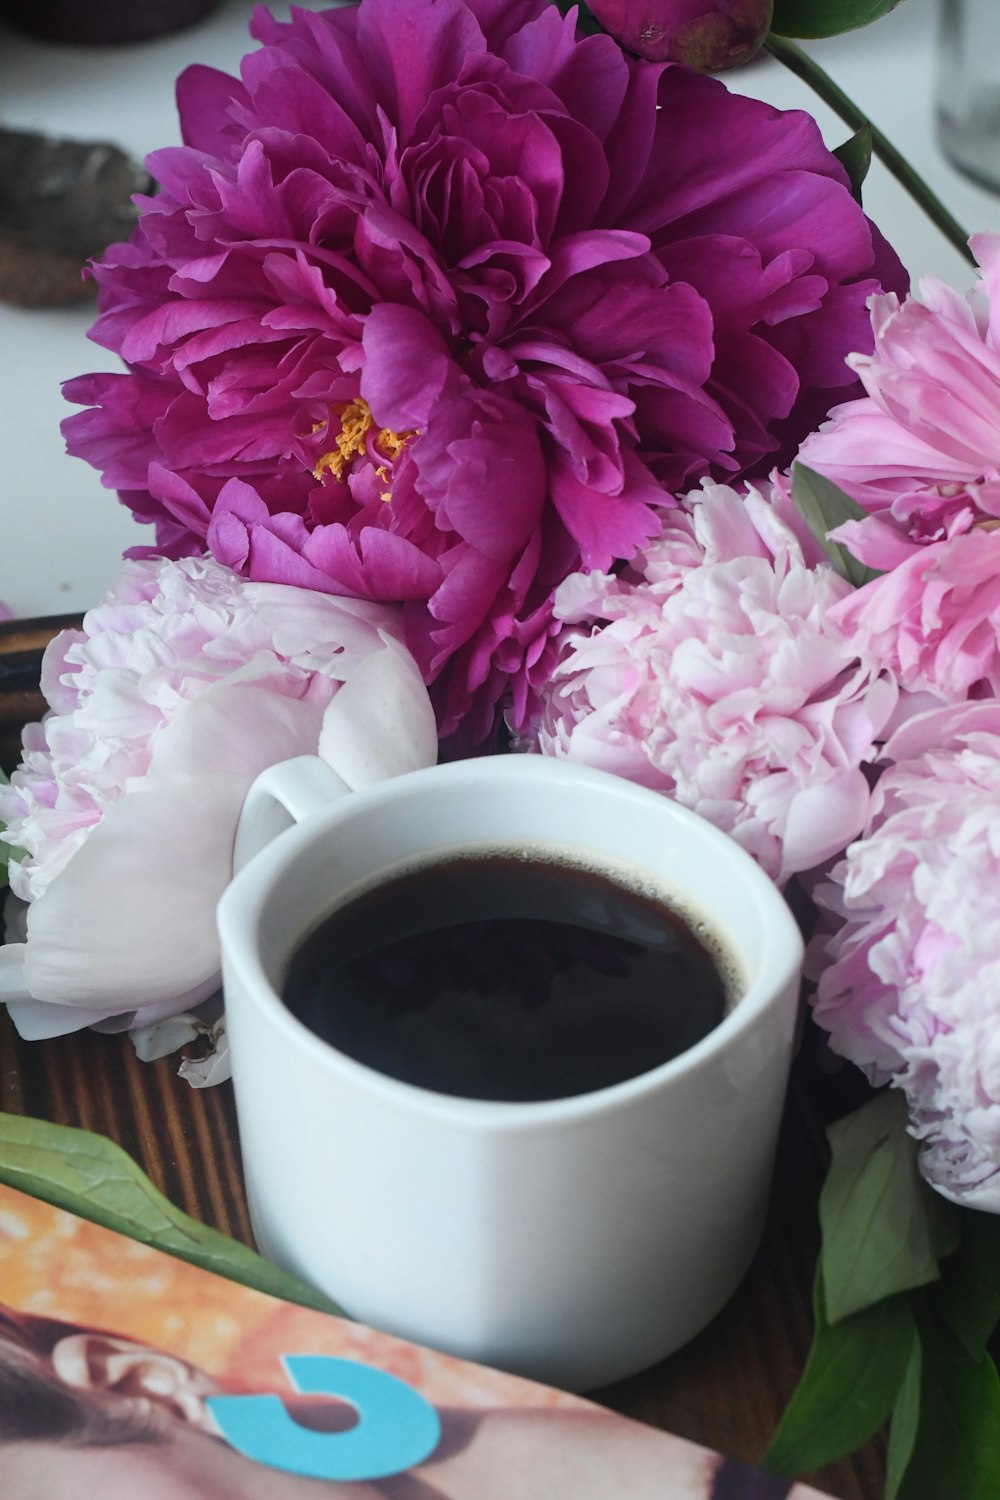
x,y
61,533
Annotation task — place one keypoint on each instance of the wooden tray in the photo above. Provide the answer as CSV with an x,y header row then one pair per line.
x,y
727,1389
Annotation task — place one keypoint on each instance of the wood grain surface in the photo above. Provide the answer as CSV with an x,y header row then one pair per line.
x,y
21,645
726,1389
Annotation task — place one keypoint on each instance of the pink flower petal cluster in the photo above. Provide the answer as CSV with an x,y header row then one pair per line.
x,y
909,983
711,672
181,687
921,452
933,620
436,300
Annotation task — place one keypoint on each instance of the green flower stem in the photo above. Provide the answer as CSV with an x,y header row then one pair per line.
x,y
804,67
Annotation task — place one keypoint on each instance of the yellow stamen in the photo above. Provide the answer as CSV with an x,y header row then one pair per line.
x,y
383,474
356,421
390,443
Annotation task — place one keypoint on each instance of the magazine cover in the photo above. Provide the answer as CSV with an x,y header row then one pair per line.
x,y
125,1372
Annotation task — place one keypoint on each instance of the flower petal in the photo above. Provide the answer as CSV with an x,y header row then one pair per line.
x,y
381,723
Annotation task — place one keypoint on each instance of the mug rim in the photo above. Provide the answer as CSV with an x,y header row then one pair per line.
x,y
242,902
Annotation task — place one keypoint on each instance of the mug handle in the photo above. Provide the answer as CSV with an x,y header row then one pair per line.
x,y
282,796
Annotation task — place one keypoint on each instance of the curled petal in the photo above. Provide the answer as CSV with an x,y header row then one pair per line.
x,y
97,937
381,723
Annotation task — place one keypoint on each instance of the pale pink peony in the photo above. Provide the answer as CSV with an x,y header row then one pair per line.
x,y
712,674
909,983
921,452
182,685
934,620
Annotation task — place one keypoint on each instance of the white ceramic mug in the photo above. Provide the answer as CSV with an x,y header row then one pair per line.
x,y
575,1240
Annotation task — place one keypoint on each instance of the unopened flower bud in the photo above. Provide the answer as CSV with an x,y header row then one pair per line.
x,y
710,35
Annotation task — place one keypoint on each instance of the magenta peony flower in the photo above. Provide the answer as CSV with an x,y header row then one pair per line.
x,y
710,673
711,35
921,452
181,687
909,983
437,299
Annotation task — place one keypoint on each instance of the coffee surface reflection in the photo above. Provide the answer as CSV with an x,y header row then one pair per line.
x,y
496,976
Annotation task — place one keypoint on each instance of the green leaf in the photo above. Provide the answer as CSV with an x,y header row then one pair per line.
x,y
905,1422
850,1383
968,1296
824,506
956,1455
92,1177
817,18
855,156
884,1229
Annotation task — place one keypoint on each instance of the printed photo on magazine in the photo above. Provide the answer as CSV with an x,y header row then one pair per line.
x,y
127,1373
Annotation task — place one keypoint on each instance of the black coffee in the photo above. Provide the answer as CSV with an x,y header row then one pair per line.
x,y
501,977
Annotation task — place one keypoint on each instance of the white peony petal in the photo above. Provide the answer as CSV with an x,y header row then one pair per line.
x,y
985,1197
131,1021
235,728
164,1037
381,722
131,920
216,1067
327,632
36,1020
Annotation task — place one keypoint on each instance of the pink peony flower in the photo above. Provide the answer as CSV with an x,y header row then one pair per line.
x,y
435,301
921,452
708,34
710,672
934,620
909,983
181,687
